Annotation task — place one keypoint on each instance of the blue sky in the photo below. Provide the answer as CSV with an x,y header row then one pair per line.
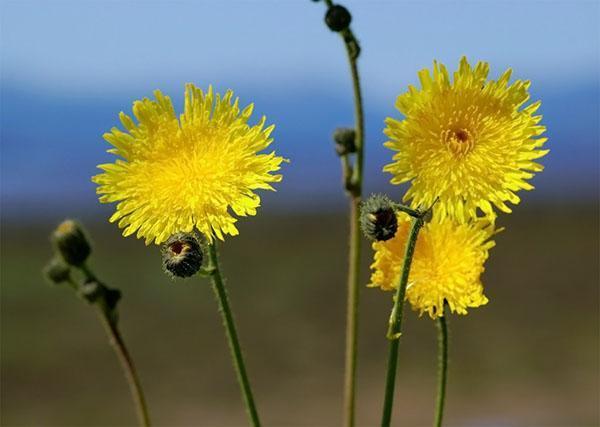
x,y
69,67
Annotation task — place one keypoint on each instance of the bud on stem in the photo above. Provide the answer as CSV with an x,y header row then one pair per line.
x,y
71,243
378,218
182,255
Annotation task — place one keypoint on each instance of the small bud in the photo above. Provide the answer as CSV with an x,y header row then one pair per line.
x,y
378,218
57,272
338,18
112,297
182,255
71,243
344,141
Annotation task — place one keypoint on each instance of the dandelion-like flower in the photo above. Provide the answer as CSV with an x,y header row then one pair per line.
x,y
471,142
447,264
197,171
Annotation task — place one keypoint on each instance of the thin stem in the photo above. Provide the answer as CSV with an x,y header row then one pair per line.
x,y
353,50
116,340
442,336
355,191
395,325
232,336
352,314
353,182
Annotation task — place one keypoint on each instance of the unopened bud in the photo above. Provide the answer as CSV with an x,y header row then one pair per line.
x,y
344,139
378,218
57,272
338,18
182,255
71,243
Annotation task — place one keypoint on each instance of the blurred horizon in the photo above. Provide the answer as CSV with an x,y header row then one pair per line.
x,y
69,69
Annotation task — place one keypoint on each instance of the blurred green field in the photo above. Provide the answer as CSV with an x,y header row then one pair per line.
x,y
528,358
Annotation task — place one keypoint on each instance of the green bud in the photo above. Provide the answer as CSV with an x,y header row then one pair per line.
x,y
182,255
344,141
378,218
57,272
338,18
71,243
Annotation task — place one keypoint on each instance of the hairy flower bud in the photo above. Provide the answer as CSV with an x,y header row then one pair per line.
x,y
57,272
344,139
70,241
182,255
378,218
338,18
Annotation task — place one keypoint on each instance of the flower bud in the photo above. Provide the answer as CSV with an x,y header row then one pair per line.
x,y
338,18
344,141
182,255
378,218
57,272
112,297
70,241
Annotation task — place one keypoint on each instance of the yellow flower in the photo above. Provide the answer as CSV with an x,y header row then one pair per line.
x,y
470,142
447,264
175,175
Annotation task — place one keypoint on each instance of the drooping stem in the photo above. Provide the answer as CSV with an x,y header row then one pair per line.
x,y
116,340
442,336
232,336
395,324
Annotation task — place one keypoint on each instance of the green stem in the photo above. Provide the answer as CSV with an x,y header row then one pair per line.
x,y
118,344
116,340
395,325
352,314
232,336
442,334
353,181
355,191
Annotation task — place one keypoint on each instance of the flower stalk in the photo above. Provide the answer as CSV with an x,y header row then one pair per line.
x,y
442,368
118,344
338,19
395,323
72,250
106,309
232,335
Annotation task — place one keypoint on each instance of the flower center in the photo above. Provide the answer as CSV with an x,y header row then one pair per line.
x,y
179,248
459,141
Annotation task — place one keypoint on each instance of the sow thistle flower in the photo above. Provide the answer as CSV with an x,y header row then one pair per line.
x,y
447,264
471,141
192,172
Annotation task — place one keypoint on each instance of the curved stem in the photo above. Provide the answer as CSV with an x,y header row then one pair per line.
x,y
442,336
116,340
232,336
395,325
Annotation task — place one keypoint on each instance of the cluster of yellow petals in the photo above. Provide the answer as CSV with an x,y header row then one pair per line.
x,y
447,264
470,142
192,172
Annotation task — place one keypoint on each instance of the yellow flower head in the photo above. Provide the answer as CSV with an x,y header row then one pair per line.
x,y
469,142
447,264
175,175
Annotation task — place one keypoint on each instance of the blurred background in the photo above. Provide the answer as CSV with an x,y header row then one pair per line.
x,y
528,358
